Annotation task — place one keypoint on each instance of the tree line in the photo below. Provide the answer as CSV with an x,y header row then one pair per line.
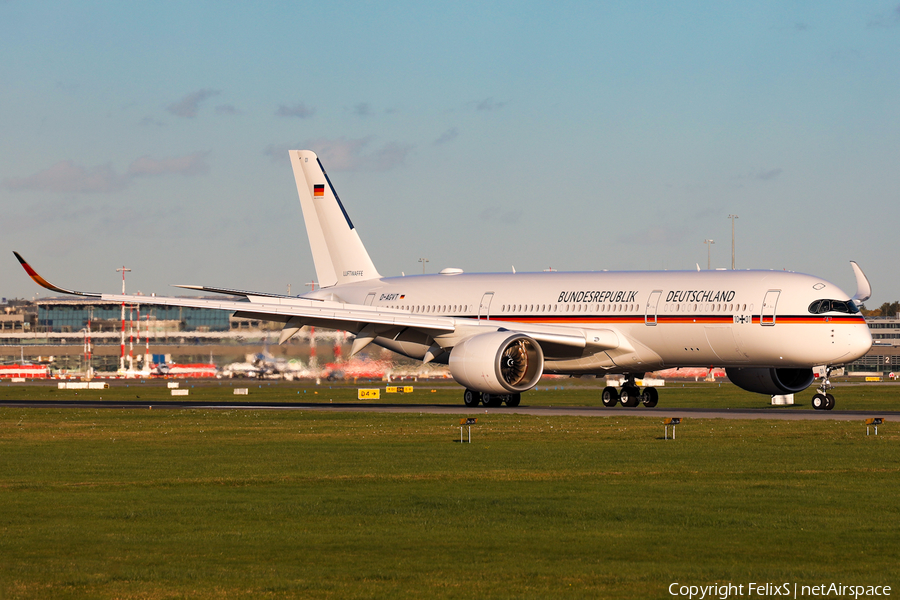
x,y
888,309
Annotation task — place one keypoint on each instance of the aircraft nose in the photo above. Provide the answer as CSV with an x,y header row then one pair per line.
x,y
860,341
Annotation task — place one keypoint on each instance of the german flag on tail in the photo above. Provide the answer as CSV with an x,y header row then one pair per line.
x,y
319,189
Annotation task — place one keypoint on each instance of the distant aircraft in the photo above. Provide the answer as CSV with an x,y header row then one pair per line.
x,y
499,332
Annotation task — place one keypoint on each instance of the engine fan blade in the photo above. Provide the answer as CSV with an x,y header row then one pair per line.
x,y
515,363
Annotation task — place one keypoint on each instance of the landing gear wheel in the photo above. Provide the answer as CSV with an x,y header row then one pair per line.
x,y
513,400
491,399
650,397
819,401
610,397
630,396
472,398
823,400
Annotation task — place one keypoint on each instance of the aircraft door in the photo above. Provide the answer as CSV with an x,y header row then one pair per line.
x,y
370,298
652,304
484,309
767,315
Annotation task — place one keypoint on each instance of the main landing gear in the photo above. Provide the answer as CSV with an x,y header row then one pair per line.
x,y
631,395
473,399
823,400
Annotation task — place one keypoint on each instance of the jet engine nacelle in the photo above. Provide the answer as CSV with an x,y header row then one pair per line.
x,y
500,362
774,382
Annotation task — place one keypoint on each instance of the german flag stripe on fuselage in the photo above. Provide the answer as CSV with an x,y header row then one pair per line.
x,y
683,319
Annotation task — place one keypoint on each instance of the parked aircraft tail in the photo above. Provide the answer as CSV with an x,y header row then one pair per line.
x,y
337,250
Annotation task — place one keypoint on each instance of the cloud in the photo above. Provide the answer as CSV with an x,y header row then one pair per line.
x,y
68,87
67,177
341,154
497,214
192,164
891,19
767,175
489,104
387,157
227,109
448,136
278,153
796,27
187,107
298,110
148,121
706,212
41,213
656,235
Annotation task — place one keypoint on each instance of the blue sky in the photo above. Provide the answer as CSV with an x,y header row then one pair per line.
x,y
572,135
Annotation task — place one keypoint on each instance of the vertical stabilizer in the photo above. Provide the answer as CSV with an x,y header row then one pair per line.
x,y
338,253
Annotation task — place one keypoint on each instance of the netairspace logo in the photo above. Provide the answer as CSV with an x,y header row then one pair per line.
x,y
784,590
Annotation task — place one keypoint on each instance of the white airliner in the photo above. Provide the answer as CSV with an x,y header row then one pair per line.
x,y
499,332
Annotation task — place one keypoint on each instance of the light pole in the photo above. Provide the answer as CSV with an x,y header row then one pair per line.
x,y
423,261
732,217
313,360
708,259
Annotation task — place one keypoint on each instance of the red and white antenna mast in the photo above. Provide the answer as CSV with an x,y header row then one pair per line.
x,y
122,356
131,337
89,370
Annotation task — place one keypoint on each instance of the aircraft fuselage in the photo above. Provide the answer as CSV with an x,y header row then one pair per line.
x,y
670,318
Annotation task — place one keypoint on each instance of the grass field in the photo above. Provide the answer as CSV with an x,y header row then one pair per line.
x,y
550,392
311,504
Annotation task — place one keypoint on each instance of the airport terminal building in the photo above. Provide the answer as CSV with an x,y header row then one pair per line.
x,y
63,315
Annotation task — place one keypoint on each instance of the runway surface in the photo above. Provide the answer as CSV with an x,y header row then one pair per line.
x,y
787,413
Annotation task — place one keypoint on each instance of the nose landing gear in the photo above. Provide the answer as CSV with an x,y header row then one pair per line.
x,y
823,400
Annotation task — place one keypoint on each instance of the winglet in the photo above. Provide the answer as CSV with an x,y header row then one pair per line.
x,y
863,287
46,284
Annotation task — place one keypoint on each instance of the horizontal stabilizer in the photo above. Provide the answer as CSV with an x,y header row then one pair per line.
x,y
231,292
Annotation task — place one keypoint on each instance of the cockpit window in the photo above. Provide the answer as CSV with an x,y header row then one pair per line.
x,y
819,307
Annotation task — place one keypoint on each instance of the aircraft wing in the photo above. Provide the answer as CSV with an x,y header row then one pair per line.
x,y
283,309
297,312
